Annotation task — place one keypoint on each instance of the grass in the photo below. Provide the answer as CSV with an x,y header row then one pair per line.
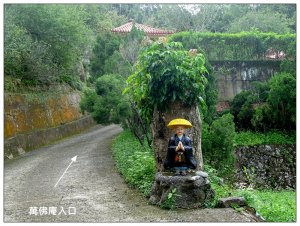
x,y
253,138
273,206
134,161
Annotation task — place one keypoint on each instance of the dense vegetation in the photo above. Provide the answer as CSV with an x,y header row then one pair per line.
x,y
275,102
137,165
251,45
183,77
47,44
134,161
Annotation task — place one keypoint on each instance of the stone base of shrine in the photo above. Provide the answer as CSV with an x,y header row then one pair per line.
x,y
190,191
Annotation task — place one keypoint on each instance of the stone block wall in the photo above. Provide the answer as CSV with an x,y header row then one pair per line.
x,y
267,166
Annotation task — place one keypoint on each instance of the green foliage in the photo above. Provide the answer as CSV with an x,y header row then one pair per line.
x,y
116,64
254,138
45,43
262,21
105,46
282,100
106,102
217,143
269,105
239,46
210,95
169,202
88,99
246,116
134,161
131,45
273,206
166,73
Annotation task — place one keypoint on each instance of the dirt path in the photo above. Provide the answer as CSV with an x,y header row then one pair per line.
x,y
91,190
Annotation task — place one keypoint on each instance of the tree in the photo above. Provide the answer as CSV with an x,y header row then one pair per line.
x,y
105,46
106,102
172,17
282,101
59,38
168,82
263,21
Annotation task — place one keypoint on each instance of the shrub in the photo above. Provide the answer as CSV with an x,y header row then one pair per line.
x,y
236,46
217,143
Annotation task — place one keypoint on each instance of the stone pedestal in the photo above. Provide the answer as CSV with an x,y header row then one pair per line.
x,y
190,191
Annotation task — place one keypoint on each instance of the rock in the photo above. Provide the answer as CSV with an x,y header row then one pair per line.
x,y
20,151
231,201
190,191
202,174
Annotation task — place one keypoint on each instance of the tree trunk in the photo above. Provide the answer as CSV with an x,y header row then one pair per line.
x,y
162,134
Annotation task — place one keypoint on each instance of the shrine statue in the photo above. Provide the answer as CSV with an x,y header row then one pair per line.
x,y
180,158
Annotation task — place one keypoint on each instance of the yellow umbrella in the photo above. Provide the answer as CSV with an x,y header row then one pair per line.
x,y
179,122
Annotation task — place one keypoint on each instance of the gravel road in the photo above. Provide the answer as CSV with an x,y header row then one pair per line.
x,y
91,190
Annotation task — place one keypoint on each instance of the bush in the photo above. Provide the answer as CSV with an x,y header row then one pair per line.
x,y
241,109
135,162
217,143
282,101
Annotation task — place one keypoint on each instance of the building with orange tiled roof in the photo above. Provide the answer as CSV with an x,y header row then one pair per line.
x,y
149,31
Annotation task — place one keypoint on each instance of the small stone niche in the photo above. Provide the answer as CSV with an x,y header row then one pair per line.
x,y
192,190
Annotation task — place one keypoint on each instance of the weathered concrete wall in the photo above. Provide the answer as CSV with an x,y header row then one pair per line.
x,y
33,120
236,76
267,166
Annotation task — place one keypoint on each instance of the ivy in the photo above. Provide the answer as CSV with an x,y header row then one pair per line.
x,y
238,46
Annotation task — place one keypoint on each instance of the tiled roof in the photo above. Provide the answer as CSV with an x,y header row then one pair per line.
x,y
126,28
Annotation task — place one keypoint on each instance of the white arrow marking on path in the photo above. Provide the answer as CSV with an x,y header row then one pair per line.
x,y
73,160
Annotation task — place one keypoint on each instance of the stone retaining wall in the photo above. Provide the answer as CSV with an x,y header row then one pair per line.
x,y
38,118
267,166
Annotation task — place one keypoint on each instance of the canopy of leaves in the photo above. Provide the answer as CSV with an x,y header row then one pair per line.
x,y
165,73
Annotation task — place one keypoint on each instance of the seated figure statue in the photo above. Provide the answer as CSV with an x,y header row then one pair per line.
x,y
180,156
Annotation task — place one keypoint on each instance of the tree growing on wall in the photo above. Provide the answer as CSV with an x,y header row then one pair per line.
x,y
168,82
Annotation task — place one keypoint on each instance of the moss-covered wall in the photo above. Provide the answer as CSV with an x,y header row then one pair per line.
x,y
26,112
35,119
